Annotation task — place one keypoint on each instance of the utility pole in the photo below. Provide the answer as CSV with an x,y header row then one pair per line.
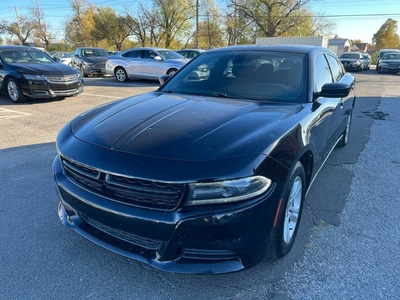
x,y
196,44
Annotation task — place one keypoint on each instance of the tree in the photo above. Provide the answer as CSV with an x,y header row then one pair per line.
x,y
79,28
239,28
22,28
41,28
173,18
387,36
110,27
210,32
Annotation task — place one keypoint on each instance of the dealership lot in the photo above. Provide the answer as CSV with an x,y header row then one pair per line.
x,y
41,259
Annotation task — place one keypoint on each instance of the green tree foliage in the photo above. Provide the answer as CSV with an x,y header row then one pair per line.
x,y
386,36
173,18
109,27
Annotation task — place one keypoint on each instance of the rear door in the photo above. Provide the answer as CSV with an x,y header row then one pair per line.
x,y
133,63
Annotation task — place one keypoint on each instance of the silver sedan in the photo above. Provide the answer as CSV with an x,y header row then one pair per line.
x,y
144,63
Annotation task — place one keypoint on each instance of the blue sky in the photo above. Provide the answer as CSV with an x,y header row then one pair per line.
x,y
355,19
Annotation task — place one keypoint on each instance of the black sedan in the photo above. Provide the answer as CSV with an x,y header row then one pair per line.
x,y
389,63
352,61
90,60
207,174
26,72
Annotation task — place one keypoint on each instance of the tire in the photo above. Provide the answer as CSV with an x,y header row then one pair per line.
x,y
14,91
289,214
121,75
345,135
171,72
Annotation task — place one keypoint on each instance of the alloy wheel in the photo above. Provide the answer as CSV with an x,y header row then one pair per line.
x,y
293,210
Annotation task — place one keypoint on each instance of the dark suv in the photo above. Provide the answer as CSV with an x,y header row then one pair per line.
x,y
90,60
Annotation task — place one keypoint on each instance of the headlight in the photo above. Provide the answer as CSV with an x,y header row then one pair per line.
x,y
88,63
227,191
32,77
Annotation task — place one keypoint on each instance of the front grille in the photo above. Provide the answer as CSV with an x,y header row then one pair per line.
x,y
394,65
62,79
126,190
100,65
123,235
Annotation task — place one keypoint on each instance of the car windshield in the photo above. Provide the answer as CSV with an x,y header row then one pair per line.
x,y
25,56
255,75
350,56
392,56
94,52
169,54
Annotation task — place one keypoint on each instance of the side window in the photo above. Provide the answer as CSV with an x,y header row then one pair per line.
x,y
322,72
132,54
149,54
336,68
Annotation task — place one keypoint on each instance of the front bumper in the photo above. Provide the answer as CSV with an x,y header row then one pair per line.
x,y
97,69
44,89
193,240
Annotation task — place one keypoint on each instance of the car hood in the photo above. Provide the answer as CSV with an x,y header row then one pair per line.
x,y
43,69
183,127
348,59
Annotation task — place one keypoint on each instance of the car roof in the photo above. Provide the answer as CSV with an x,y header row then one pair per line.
x,y
304,49
16,47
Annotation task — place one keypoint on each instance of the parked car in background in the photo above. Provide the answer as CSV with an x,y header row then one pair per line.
x,y
389,63
90,60
352,61
63,57
381,54
367,61
190,53
207,175
26,72
144,63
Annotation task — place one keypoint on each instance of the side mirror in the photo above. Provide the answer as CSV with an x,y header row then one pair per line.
x,y
157,58
162,79
333,90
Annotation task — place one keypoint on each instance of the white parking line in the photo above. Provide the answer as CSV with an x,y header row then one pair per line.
x,y
9,114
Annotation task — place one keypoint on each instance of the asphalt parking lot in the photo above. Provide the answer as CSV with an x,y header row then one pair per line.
x,y
348,246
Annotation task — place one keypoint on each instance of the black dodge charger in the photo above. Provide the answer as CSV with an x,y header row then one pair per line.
x,y
28,73
207,174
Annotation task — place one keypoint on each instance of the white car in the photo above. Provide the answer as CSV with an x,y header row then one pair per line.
x,y
144,63
63,57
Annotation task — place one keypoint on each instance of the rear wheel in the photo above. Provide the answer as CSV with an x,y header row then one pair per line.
x,y
345,136
14,91
121,75
289,214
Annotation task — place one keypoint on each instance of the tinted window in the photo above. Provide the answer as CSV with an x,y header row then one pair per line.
x,y
322,72
132,54
336,68
252,75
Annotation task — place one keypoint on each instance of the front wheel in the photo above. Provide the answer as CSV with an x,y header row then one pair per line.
x,y
14,91
171,72
289,214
